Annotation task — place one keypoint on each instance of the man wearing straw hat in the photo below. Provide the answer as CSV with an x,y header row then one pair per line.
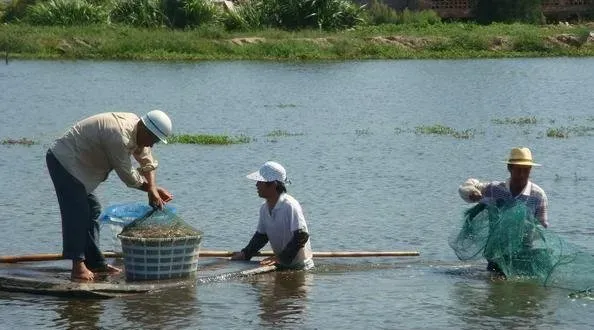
x,y
281,222
83,158
517,188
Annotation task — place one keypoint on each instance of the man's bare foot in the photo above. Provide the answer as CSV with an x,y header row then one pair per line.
x,y
107,269
80,272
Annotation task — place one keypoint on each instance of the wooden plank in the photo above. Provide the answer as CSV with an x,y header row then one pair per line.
x,y
55,281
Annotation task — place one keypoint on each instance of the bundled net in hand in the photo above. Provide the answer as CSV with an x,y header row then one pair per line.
x,y
511,237
159,224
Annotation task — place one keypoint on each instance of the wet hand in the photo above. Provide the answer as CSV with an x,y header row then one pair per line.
x,y
165,195
270,261
155,199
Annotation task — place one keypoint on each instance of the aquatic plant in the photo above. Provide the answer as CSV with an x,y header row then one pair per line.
x,y
362,131
561,132
209,139
278,133
434,129
444,130
515,121
564,132
582,130
21,141
282,105
465,134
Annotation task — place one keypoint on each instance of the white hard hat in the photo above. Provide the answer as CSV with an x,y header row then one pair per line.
x,y
269,172
158,123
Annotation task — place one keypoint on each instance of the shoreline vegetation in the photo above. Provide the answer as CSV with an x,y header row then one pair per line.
x,y
443,41
196,30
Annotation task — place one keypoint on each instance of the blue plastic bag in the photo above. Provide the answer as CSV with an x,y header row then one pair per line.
x,y
123,214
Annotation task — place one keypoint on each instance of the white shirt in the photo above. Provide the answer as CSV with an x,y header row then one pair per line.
x,y
95,146
532,195
279,225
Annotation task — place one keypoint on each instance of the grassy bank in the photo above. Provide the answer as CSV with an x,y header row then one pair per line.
x,y
444,40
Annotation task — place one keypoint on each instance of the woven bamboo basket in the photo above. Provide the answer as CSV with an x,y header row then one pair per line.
x,y
160,258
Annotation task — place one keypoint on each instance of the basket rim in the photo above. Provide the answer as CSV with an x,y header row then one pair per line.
x,y
158,239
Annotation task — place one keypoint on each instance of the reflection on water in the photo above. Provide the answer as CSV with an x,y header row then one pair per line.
x,y
499,302
78,313
167,309
173,308
283,297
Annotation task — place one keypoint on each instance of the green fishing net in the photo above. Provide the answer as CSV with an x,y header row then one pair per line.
x,y
159,224
510,236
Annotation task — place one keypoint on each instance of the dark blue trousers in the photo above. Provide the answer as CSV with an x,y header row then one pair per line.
x,y
80,211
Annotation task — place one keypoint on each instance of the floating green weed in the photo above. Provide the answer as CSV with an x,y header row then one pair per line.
x,y
434,129
362,131
565,132
209,139
561,132
282,105
444,130
279,133
582,130
21,141
515,121
465,134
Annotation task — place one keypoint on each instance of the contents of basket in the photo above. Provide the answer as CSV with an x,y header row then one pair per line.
x,y
160,245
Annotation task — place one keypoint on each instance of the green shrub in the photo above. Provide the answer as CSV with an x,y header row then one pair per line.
x,y
139,13
174,13
202,12
334,14
65,13
420,18
295,14
529,42
15,10
380,13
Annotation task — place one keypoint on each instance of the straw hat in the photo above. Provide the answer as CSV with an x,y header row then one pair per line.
x,y
521,156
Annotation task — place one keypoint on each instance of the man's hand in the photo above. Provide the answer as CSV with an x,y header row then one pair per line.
x,y
238,256
158,197
155,199
475,195
270,261
165,195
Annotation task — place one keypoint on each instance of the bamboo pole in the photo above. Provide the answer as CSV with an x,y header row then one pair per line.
x,y
222,254
331,254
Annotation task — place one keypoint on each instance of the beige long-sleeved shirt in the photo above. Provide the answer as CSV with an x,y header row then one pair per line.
x,y
95,146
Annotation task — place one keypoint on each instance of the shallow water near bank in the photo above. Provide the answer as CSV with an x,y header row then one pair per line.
x,y
367,180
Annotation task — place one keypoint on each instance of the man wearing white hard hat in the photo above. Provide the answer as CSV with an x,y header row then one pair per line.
x,y
83,158
281,222
518,188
